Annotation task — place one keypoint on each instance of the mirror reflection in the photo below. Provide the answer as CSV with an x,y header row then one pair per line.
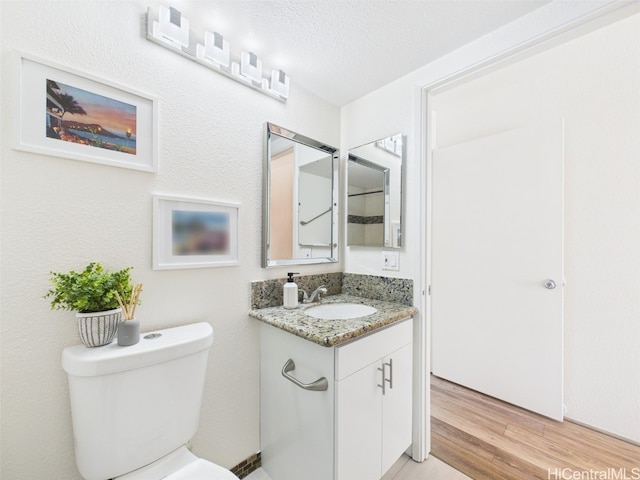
x,y
300,199
374,192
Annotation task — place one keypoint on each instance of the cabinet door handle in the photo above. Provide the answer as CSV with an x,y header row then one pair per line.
x,y
390,379
319,385
384,375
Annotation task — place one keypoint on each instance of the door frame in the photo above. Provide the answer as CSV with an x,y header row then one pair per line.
x,y
426,141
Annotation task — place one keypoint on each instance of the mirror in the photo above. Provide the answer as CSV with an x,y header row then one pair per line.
x,y
300,199
374,192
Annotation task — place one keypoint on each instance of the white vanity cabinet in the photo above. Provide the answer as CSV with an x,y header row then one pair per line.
x,y
356,428
373,403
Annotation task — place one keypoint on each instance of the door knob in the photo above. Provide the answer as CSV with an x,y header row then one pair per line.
x,y
550,284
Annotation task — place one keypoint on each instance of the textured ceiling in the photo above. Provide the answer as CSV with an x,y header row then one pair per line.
x,y
343,49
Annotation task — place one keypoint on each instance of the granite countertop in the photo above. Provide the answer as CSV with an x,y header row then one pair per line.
x,y
330,333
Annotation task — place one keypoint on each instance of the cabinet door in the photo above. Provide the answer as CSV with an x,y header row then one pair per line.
x,y
397,406
296,425
358,425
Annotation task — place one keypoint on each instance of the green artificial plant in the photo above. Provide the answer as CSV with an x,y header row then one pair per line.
x,y
92,290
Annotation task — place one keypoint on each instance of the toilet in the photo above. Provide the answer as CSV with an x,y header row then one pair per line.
x,y
134,409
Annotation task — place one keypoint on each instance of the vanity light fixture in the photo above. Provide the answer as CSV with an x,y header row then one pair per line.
x,y
280,83
251,67
171,27
171,30
216,49
393,145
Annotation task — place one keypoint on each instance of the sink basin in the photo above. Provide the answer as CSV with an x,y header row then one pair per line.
x,y
340,311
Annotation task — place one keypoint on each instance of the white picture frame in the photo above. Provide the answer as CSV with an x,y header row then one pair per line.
x,y
194,233
62,112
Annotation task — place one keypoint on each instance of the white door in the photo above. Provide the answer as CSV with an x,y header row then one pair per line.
x,y
497,255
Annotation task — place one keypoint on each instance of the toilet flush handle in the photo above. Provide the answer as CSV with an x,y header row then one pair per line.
x,y
550,284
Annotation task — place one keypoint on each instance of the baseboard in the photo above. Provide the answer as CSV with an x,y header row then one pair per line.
x,y
600,430
247,466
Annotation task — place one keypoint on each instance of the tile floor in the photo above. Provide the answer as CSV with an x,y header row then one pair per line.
x,y
431,468
404,469
259,474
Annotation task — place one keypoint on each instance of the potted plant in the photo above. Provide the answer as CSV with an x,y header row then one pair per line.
x,y
91,293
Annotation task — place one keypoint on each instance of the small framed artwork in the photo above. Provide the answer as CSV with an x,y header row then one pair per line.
x,y
194,233
70,114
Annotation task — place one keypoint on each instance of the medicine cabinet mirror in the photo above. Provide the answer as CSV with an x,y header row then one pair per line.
x,y
374,193
300,199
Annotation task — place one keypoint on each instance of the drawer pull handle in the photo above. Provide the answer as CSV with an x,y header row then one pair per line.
x,y
390,379
384,375
319,385
386,380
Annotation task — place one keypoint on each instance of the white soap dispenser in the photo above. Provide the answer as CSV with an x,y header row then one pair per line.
x,y
290,292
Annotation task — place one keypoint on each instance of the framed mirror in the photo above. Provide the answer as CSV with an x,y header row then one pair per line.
x,y
374,193
300,199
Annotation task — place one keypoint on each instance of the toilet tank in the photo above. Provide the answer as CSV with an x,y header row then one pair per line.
x,y
132,405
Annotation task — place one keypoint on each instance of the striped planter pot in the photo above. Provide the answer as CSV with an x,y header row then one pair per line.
x,y
98,328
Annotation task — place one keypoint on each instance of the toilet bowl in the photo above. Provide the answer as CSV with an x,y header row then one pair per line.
x,y
135,408
180,465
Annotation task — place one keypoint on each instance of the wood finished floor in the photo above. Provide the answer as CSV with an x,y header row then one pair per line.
x,y
488,439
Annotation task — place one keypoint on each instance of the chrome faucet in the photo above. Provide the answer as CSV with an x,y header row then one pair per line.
x,y
316,293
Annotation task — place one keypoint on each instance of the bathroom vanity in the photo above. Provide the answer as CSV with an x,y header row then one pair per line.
x,y
336,394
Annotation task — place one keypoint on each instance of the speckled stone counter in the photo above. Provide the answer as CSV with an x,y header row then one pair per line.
x,y
330,333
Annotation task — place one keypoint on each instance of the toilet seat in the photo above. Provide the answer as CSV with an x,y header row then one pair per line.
x,y
202,470
180,465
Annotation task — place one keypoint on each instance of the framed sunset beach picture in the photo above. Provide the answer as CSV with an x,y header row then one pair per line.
x,y
69,114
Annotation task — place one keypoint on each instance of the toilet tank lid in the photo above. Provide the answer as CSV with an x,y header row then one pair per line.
x,y
154,347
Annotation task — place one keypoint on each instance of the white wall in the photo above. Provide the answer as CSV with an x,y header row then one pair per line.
x,y
597,78
383,113
59,214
